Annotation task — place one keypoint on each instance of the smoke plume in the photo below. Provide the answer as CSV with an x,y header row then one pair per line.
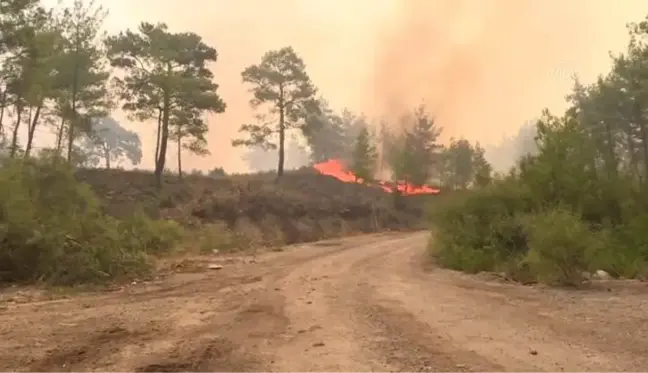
x,y
482,67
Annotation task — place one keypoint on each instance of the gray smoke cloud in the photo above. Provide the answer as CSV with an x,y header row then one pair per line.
x,y
482,66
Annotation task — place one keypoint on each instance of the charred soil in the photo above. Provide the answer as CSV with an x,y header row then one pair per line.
x,y
304,206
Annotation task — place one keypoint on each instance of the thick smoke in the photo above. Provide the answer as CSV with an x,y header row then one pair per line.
x,y
483,66
505,154
261,160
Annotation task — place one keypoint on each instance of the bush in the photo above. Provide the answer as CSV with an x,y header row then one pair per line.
x,y
477,231
52,228
560,247
626,253
245,235
219,237
151,236
500,228
578,202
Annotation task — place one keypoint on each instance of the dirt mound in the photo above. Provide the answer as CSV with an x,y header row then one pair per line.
x,y
304,205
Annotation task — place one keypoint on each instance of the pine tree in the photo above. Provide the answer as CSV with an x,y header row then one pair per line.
x,y
364,156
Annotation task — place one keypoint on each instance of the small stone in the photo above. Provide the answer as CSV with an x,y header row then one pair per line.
x,y
215,266
318,344
601,275
533,352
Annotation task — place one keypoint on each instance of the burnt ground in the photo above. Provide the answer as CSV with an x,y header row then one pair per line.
x,y
304,206
355,304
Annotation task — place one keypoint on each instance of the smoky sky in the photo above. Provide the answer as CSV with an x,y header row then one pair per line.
x,y
482,67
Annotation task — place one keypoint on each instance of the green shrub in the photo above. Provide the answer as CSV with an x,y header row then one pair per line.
x,y
579,203
561,245
626,250
500,228
474,231
216,237
52,229
151,236
245,235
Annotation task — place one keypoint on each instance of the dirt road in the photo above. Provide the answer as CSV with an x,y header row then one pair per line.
x,y
358,304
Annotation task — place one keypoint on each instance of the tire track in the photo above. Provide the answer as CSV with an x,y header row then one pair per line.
x,y
357,304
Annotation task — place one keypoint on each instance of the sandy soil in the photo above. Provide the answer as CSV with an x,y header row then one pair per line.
x,y
358,304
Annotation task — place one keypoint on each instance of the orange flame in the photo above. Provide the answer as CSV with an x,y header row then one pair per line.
x,y
335,168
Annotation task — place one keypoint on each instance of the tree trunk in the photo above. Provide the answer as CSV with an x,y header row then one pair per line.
x,y
643,131
632,154
282,138
70,135
32,129
107,156
14,139
612,163
164,139
75,83
70,139
282,134
157,139
59,137
179,157
3,102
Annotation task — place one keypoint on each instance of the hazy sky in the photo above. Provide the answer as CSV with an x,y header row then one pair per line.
x,y
483,67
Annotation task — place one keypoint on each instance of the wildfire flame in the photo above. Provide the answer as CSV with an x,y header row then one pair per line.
x,y
335,168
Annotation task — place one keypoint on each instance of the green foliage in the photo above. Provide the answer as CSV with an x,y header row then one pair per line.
x,y
552,218
477,230
482,170
578,203
108,142
84,75
414,155
331,135
560,244
625,253
167,78
53,229
151,236
53,72
280,83
53,156
463,165
584,206
326,134
364,156
217,172
576,200
458,166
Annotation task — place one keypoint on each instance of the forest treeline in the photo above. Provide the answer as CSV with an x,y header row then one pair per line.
x,y
579,203
60,73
